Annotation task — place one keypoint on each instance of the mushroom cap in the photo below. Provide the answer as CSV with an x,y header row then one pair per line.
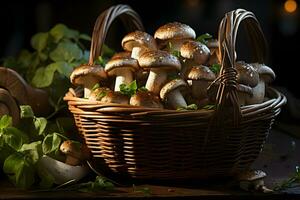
x,y
84,72
124,54
99,93
246,74
201,72
265,72
159,59
174,30
195,50
170,86
244,89
138,39
145,99
121,63
70,148
115,97
252,175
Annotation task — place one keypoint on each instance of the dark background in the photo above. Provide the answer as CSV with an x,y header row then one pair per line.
x,y
19,20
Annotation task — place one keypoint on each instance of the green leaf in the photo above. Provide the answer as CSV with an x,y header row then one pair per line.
x,y
39,41
85,37
61,31
100,95
14,138
215,68
43,56
40,124
143,89
19,170
189,107
5,121
101,61
25,57
44,75
51,143
107,52
32,150
66,51
203,38
176,53
130,89
209,107
96,86
26,111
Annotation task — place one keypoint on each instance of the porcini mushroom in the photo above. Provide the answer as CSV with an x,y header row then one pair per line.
x,y
174,33
159,63
88,76
74,151
246,74
123,54
252,180
201,76
138,42
266,75
114,97
145,99
171,93
194,53
123,69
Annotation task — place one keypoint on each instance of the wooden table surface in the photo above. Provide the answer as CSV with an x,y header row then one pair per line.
x,y
278,159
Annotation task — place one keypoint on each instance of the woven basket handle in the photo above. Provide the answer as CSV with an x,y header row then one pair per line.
x,y
228,29
129,17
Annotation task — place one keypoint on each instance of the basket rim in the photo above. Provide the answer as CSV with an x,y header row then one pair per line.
x,y
276,100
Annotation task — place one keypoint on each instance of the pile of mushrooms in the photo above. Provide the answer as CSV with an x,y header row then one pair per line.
x,y
173,69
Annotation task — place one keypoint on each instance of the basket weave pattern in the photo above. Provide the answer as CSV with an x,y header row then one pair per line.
x,y
167,144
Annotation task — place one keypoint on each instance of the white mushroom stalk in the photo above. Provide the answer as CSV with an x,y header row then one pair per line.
x,y
124,76
176,100
137,52
155,80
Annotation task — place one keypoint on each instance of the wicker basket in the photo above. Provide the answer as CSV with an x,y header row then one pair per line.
x,y
146,143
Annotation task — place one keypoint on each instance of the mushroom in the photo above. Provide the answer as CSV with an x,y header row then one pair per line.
x,y
114,97
171,93
88,76
174,33
138,42
159,63
123,54
246,74
252,180
62,172
201,76
74,151
145,99
123,69
213,46
266,75
194,53
98,93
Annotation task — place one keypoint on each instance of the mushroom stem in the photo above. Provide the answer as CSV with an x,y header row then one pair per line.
x,y
137,52
123,77
199,89
155,81
258,93
186,66
176,99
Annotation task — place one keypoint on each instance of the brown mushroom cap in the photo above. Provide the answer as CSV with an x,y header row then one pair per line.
x,y
121,63
72,149
138,39
170,86
81,74
195,50
246,74
159,59
201,72
99,93
265,72
174,30
124,54
115,97
145,99
252,175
